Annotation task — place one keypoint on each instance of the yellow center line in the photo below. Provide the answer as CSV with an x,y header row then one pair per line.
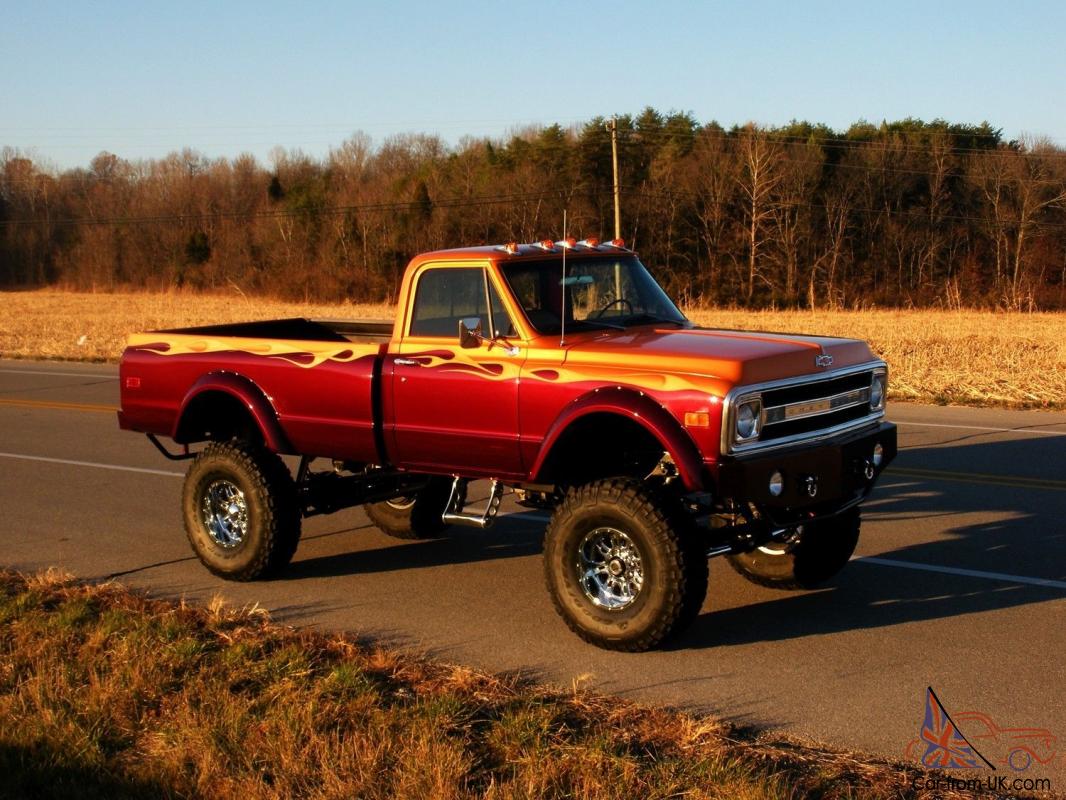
x,y
980,477
56,405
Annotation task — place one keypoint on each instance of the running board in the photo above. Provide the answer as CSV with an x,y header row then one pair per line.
x,y
454,513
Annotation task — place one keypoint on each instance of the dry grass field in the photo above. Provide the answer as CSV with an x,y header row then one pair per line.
x,y
959,357
105,694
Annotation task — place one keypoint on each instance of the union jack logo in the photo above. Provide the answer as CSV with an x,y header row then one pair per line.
x,y
945,746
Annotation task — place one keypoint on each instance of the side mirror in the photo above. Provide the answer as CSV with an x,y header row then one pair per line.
x,y
470,332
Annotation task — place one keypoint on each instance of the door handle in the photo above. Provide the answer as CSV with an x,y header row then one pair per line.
x,y
407,362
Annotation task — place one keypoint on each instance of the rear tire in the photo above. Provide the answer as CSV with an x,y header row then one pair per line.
x,y
822,550
241,511
623,565
417,516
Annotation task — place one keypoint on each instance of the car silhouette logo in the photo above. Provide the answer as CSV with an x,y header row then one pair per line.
x,y
1017,748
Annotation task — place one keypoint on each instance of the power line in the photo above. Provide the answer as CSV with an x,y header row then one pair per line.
x,y
309,212
922,214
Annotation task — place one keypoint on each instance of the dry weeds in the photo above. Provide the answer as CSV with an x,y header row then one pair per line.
x,y
104,693
962,357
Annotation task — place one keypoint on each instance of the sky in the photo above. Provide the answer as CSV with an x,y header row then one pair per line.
x,y
142,79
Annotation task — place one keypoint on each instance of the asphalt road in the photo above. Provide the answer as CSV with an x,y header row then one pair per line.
x,y
959,581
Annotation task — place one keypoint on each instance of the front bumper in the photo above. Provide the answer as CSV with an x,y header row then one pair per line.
x,y
818,474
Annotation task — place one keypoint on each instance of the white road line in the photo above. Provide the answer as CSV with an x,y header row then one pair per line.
x,y
95,464
981,428
968,573
103,375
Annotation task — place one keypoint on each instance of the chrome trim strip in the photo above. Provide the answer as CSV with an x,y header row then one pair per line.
x,y
726,444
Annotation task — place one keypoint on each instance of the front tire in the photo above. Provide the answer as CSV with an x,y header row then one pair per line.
x,y
819,553
241,511
416,516
623,565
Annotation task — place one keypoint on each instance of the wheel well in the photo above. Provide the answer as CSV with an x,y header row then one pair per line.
x,y
601,445
218,416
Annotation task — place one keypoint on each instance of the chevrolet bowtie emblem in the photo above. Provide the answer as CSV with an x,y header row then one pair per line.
x,y
824,360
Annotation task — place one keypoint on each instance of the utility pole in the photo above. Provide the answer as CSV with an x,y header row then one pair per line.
x,y
612,126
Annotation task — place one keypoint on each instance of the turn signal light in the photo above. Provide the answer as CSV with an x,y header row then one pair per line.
x,y
697,419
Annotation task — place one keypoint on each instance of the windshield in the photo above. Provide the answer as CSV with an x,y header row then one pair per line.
x,y
599,293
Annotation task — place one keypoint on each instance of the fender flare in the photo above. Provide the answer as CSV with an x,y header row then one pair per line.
x,y
249,395
636,406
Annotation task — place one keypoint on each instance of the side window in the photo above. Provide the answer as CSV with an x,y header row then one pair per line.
x,y
500,318
445,296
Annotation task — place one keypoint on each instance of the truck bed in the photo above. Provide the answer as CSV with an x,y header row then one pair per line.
x,y
325,411
298,328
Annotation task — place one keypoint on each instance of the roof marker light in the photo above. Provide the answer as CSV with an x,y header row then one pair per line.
x,y
545,244
591,241
510,248
619,243
568,244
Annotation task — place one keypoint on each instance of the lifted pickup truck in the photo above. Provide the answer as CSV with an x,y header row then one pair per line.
x,y
557,370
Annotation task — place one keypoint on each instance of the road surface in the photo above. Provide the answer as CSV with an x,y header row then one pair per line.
x,y
959,581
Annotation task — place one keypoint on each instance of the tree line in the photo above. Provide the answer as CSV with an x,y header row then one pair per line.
x,y
906,213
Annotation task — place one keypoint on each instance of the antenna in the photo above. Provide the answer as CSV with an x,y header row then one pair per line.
x,y
562,308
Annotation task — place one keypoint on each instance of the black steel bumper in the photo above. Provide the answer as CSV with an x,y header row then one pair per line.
x,y
816,475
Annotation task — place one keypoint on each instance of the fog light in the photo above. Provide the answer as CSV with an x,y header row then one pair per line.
x,y
879,454
777,484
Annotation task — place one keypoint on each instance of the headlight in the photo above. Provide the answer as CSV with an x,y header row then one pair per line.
x,y
747,419
877,391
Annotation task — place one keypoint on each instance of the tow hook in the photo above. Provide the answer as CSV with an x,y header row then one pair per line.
x,y
811,484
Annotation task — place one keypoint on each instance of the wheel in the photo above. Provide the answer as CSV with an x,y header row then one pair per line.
x,y
623,565
1020,759
416,516
818,553
241,511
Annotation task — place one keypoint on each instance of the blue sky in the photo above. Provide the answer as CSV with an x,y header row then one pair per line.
x,y
143,79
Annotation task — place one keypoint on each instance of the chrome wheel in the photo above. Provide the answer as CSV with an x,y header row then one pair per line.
x,y
610,569
225,513
782,547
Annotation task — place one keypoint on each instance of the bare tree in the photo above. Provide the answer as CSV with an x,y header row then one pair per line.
x,y
758,178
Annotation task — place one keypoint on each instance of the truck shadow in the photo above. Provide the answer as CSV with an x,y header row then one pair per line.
x,y
1011,528
512,537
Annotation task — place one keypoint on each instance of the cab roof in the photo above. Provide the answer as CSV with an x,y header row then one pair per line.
x,y
514,250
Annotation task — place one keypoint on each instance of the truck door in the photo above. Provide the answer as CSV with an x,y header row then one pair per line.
x,y
455,408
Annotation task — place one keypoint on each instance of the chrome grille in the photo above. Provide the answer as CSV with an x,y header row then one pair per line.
x,y
810,407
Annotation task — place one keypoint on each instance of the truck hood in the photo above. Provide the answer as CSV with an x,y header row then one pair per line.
x,y
734,358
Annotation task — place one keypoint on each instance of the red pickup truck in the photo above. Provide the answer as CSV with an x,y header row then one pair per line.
x,y
560,371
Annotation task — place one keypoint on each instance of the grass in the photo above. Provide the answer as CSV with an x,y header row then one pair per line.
x,y
959,357
105,693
